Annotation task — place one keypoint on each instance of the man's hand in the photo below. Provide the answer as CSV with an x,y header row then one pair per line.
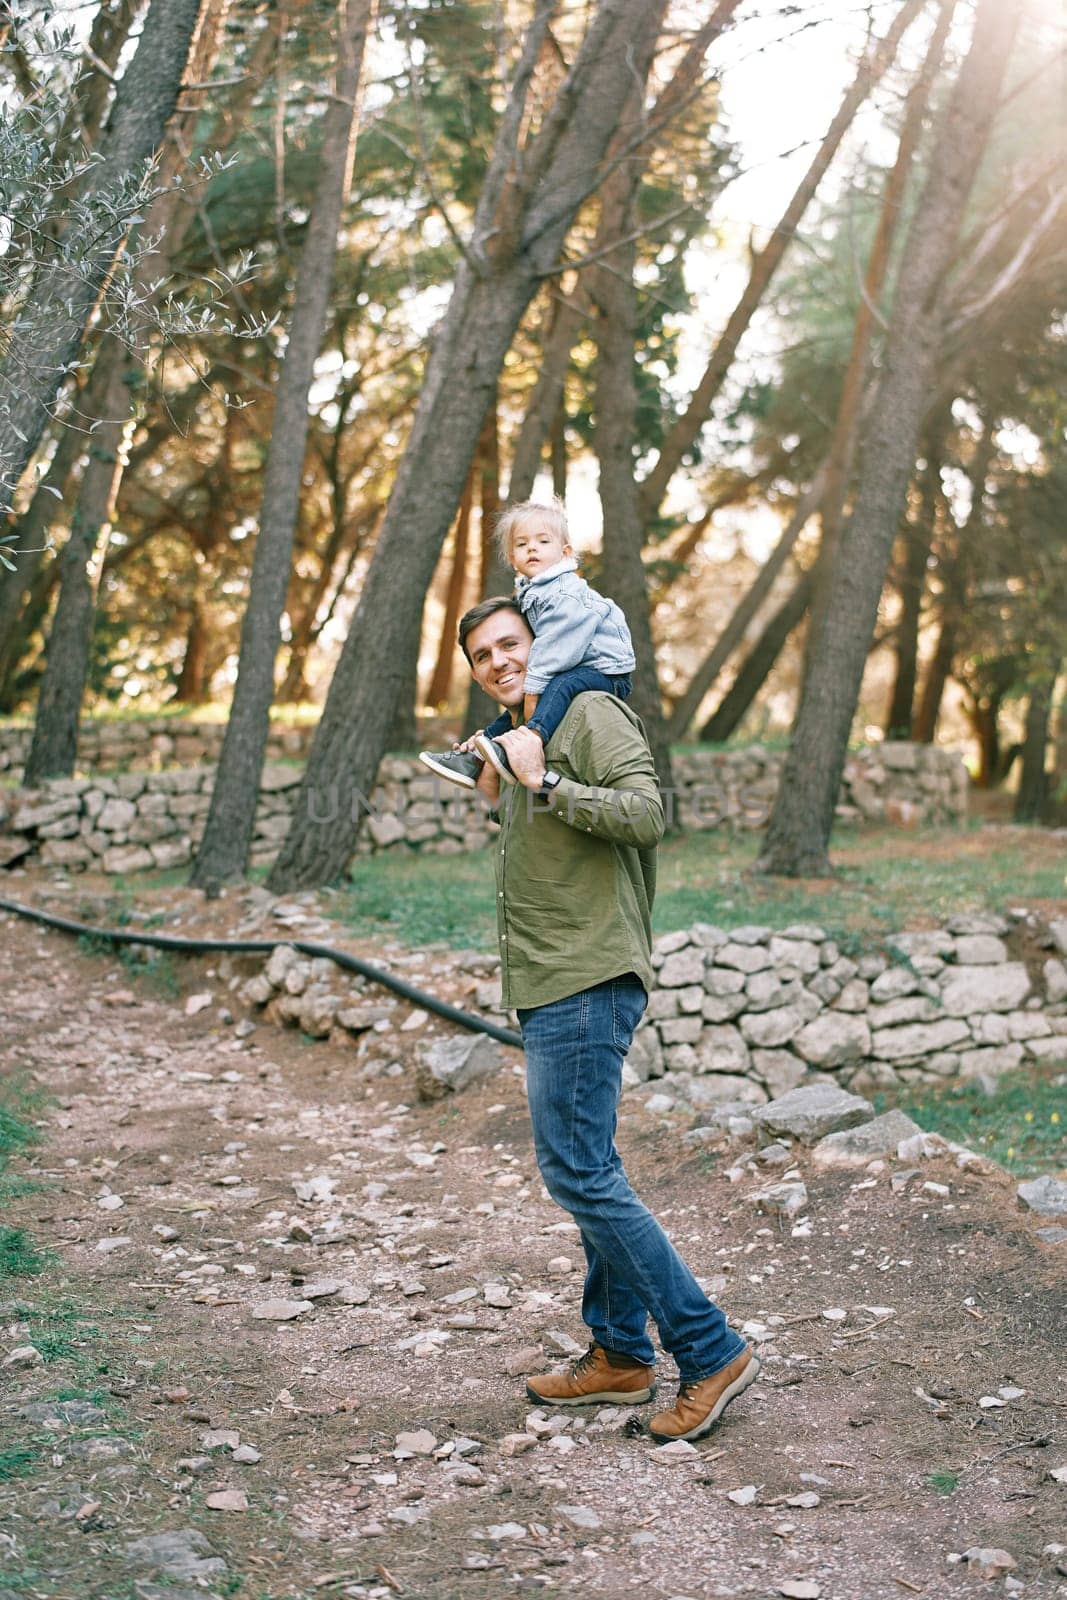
x,y
527,756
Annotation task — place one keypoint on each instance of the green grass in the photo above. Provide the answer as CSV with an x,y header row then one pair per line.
x,y
944,1480
19,1256
18,1462
1021,1126
19,1101
886,880
61,1333
16,1101
155,968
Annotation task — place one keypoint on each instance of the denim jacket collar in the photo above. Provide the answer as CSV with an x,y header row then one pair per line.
x,y
568,564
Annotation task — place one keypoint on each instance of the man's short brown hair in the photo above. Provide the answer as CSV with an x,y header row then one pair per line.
x,y
481,613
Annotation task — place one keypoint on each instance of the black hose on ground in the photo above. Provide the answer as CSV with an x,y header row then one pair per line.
x,y
307,947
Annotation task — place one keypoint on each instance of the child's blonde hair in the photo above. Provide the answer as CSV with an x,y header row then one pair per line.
x,y
551,514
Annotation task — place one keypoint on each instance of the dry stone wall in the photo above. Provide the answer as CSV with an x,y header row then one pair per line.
x,y
741,1016
748,1013
139,820
149,744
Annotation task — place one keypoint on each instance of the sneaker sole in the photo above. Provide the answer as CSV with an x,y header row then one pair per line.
x,y
447,773
606,1397
485,749
739,1385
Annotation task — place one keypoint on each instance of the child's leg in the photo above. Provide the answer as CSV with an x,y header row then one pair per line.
x,y
555,698
499,725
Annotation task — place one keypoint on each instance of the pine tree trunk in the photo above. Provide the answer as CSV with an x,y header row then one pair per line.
x,y
924,727
799,830
898,720
54,747
192,686
757,665
915,541
684,433
623,572
850,410
524,214
568,315
984,716
830,483
494,575
33,528
1033,792
557,445
745,611
570,311
939,671
441,680
39,354
403,734
227,839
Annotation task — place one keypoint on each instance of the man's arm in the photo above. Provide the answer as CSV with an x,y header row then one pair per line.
x,y
621,799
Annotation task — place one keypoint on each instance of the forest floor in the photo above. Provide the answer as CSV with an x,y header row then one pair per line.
x,y
157,1208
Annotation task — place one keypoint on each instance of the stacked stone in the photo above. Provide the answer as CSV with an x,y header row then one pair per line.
x,y
140,821
895,782
134,821
152,743
749,1013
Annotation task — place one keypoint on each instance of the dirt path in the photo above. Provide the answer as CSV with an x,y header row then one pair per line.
x,y
165,1188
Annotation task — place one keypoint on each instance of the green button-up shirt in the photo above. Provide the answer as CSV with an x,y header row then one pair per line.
x,y
576,874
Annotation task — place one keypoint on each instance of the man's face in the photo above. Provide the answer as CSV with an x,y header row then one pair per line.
x,y
498,648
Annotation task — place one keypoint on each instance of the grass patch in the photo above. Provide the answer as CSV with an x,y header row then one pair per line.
x,y
18,1462
155,968
19,1256
16,1130
1021,1126
19,1102
886,880
60,1333
943,1480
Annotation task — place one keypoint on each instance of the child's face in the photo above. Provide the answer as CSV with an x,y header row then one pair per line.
x,y
535,546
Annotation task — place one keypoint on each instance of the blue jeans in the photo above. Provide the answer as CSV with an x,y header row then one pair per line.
x,y
556,698
574,1054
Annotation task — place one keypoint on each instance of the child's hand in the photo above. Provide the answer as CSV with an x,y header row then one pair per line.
x,y
468,744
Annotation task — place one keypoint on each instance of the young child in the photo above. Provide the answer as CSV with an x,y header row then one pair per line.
x,y
581,640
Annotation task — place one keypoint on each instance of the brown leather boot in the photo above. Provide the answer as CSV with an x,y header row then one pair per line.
x,y
600,1377
700,1405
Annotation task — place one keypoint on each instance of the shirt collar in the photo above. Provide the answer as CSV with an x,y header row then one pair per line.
x,y
568,564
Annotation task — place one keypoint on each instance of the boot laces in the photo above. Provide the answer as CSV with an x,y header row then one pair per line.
x,y
586,1361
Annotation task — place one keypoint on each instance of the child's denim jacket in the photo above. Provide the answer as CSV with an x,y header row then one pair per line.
x,y
573,626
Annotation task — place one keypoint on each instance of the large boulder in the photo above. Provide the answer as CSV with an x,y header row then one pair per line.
x,y
1047,1196
869,1141
447,1065
811,1111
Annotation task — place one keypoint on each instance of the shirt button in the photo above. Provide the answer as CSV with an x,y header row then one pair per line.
x,y
503,937
500,896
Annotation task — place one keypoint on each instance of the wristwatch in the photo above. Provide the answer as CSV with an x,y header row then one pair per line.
x,y
549,782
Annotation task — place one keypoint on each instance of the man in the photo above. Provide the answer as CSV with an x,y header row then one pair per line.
x,y
575,869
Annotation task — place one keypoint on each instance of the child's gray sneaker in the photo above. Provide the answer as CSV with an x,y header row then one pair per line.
x,y
457,766
493,751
